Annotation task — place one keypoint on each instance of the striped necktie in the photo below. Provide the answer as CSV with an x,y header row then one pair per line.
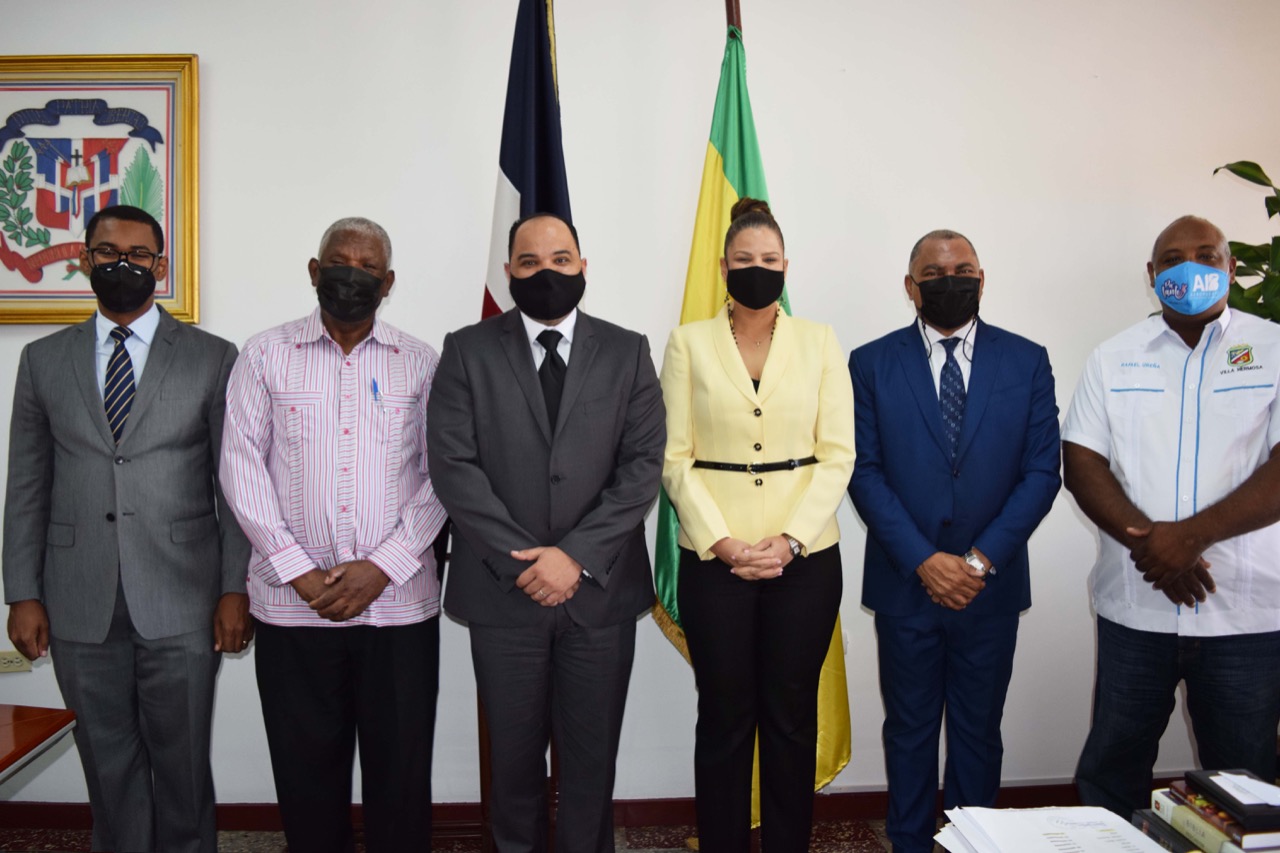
x,y
117,393
951,395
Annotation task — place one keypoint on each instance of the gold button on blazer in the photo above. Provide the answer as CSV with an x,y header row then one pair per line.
x,y
804,408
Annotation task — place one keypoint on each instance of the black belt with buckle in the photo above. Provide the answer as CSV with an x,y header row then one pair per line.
x,y
756,467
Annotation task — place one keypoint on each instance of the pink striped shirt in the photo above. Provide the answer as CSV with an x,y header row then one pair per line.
x,y
324,461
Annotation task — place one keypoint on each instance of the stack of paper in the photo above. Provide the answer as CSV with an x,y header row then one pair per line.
x,y
1083,829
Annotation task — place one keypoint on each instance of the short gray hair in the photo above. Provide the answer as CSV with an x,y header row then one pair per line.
x,y
940,234
357,225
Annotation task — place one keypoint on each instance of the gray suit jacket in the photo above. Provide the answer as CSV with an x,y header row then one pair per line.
x,y
78,506
511,481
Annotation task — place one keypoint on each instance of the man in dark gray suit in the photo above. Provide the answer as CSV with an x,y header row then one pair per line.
x,y
545,435
119,551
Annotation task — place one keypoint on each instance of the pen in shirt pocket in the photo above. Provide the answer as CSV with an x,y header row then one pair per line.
x,y
377,395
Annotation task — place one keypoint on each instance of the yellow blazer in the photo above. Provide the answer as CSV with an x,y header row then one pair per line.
x,y
804,408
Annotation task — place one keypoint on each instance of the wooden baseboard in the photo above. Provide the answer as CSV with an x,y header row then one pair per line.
x,y
463,820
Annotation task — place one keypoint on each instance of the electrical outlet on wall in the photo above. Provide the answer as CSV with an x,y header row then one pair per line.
x,y
12,660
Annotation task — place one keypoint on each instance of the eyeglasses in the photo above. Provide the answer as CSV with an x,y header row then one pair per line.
x,y
105,256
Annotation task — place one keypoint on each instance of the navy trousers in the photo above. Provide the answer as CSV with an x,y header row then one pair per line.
x,y
956,661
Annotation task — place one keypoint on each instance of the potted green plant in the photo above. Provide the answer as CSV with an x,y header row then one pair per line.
x,y
1258,263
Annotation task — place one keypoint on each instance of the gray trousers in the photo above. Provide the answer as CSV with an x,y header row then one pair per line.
x,y
143,717
553,679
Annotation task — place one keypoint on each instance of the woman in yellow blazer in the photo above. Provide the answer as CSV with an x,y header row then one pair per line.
x,y
759,453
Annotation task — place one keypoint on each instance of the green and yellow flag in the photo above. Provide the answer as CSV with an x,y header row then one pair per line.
x,y
732,170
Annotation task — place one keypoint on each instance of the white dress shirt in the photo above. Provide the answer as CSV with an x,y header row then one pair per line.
x,y
138,345
1183,428
533,328
938,354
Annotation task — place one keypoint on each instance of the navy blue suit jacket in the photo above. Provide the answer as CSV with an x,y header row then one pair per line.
x,y
915,502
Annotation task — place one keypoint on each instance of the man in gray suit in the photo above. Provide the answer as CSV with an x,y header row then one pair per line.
x,y
545,434
119,551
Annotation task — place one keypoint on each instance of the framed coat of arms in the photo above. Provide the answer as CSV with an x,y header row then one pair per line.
x,y
79,134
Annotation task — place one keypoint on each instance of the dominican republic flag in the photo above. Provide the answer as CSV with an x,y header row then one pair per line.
x,y
531,176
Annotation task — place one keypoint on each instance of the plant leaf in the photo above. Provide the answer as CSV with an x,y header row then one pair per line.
x,y
143,187
23,215
1254,256
19,150
1273,205
1270,290
1248,170
23,182
1275,256
1243,300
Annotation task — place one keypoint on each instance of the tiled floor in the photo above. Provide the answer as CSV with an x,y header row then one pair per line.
x,y
831,837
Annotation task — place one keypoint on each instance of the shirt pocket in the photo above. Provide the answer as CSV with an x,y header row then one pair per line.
x,y
297,415
1246,400
1143,412
399,431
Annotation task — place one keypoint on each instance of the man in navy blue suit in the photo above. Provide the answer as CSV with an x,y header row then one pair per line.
x,y
958,462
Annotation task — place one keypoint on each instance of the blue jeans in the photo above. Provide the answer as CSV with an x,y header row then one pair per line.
x,y
1233,697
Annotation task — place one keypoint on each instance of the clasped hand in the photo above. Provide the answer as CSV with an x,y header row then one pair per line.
x,y
950,581
1170,557
552,579
762,561
343,592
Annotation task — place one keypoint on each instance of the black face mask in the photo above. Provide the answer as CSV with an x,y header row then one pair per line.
x,y
949,301
347,294
755,287
122,287
547,294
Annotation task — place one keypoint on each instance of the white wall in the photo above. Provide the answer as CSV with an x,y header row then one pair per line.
x,y
1060,137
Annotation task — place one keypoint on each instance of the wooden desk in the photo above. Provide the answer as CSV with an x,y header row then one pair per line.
x,y
25,732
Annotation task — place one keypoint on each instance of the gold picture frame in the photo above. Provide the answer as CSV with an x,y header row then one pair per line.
x,y
79,133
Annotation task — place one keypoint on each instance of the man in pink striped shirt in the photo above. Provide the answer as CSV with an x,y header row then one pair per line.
x,y
324,463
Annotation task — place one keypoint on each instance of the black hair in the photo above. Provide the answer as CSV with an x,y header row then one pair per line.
x,y
125,213
515,226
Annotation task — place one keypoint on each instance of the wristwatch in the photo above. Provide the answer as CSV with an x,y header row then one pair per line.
x,y
793,543
976,563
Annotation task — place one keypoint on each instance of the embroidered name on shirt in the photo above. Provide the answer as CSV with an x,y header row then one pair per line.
x,y
1154,365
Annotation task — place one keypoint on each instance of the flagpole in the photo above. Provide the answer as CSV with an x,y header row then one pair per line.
x,y
733,12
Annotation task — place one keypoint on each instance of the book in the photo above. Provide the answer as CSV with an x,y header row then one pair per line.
x,y
1162,833
1188,821
1222,819
1254,817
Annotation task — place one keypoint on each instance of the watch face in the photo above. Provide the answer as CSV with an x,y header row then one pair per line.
x,y
973,560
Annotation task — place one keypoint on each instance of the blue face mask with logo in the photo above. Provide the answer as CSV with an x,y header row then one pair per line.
x,y
1191,288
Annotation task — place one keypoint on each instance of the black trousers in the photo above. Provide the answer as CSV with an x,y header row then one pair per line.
x,y
757,649
322,688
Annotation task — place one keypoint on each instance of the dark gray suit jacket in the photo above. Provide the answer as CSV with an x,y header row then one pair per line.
x,y
78,506
510,481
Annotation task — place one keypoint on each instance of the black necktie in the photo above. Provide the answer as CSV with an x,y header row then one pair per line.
x,y
117,392
951,395
551,373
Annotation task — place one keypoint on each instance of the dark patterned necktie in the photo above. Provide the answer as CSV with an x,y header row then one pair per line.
x,y
551,373
951,396
117,394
